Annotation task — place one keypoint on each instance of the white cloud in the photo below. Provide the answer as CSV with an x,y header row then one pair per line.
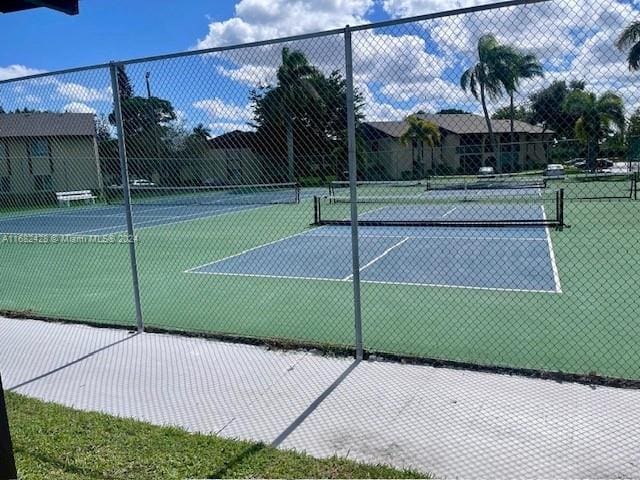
x,y
407,8
82,93
218,128
16,71
76,107
379,110
220,110
29,98
394,58
407,67
252,75
256,20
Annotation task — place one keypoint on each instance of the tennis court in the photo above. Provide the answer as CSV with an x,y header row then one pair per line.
x,y
107,220
258,268
152,207
513,259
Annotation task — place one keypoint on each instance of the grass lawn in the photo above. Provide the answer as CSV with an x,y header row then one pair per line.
x,y
56,442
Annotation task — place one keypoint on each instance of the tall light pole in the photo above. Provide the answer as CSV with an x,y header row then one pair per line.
x,y
146,79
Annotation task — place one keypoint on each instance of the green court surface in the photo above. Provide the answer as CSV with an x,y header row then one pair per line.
x,y
591,327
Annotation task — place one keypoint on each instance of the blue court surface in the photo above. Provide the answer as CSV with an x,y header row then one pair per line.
x,y
105,220
510,259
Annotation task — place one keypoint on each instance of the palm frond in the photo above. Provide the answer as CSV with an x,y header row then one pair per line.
x,y
634,57
629,36
468,81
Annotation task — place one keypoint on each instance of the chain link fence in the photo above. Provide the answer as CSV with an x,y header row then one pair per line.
x,y
444,189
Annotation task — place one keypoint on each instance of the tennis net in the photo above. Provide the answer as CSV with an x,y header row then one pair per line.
x,y
254,194
425,211
379,187
601,186
490,182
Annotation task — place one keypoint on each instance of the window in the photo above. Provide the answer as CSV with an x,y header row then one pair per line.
x,y
39,147
43,183
5,184
469,149
40,162
5,163
234,170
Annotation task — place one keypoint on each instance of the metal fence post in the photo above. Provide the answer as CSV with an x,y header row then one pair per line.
x,y
124,178
353,177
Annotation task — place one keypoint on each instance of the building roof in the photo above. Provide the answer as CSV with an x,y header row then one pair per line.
x,y
233,139
69,7
459,123
47,124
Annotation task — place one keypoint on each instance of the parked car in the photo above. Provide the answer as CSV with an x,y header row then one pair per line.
x,y
486,172
603,163
582,164
214,182
141,182
554,170
575,161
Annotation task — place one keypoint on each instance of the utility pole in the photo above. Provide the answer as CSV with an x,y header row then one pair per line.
x,y
146,79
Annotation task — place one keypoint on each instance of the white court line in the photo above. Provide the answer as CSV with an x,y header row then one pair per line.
x,y
259,275
383,254
185,218
376,282
450,211
191,270
63,213
432,237
552,256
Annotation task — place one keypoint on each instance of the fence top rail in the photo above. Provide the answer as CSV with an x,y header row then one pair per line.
x,y
292,38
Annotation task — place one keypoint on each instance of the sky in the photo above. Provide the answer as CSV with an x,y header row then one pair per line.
x,y
398,70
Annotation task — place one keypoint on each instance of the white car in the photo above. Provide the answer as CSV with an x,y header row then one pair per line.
x,y
554,170
141,182
486,172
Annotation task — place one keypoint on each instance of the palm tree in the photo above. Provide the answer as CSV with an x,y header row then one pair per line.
x,y
490,76
423,131
525,66
596,116
293,77
200,131
630,38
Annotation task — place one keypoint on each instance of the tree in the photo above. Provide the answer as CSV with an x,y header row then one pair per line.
x,y
630,39
520,112
146,123
596,117
103,130
547,108
451,111
201,131
124,84
293,78
523,66
633,126
490,76
308,106
423,131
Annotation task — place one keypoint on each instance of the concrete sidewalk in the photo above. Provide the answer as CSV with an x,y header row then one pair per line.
x,y
448,422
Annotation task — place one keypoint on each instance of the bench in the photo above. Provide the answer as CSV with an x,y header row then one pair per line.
x,y
65,198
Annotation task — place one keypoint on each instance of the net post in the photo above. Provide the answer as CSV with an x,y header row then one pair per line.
x,y
353,173
316,208
561,209
124,178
